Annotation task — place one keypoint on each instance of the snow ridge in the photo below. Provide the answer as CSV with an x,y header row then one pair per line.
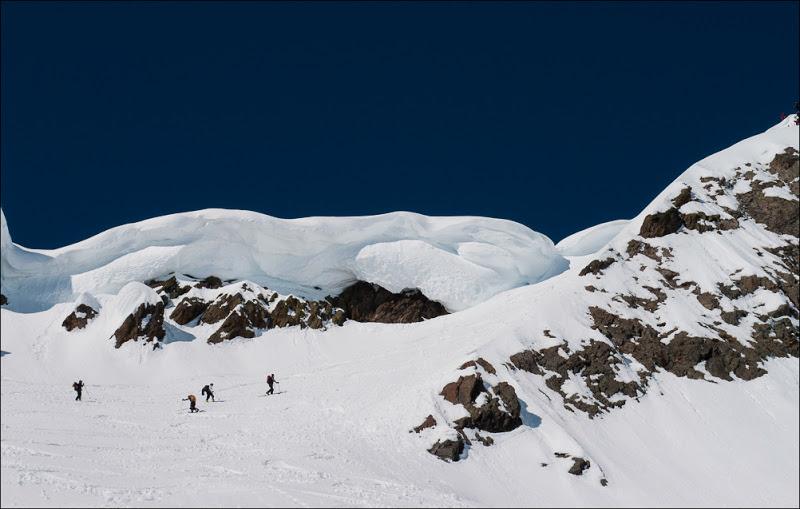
x,y
458,261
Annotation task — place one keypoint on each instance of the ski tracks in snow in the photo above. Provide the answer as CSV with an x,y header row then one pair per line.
x,y
128,446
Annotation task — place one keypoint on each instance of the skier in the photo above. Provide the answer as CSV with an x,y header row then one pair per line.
x,y
209,393
78,386
271,380
192,403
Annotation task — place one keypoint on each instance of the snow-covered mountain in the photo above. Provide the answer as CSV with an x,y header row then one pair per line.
x,y
642,362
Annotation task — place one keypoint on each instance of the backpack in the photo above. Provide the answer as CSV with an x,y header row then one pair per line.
x,y
269,379
75,385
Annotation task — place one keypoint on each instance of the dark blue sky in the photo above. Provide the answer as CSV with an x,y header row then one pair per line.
x,y
556,115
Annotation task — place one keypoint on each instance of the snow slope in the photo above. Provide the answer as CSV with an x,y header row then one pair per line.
x,y
590,240
338,434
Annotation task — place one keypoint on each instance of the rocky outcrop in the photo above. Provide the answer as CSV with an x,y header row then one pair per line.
x,y
188,310
245,311
429,422
211,282
598,364
597,266
492,409
448,450
777,214
660,224
367,302
631,322
242,322
147,324
293,311
170,287
79,318
221,308
3,300
579,466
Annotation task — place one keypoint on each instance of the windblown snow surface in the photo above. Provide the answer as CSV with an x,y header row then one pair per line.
x,y
458,261
337,433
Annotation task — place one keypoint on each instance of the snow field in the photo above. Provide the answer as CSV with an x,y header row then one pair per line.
x,y
338,434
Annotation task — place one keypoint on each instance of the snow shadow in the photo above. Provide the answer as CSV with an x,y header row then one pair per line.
x,y
174,334
528,419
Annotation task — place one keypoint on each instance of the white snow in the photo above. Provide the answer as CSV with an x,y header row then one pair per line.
x,y
590,240
459,260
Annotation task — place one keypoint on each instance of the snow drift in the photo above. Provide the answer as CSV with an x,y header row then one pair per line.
x,y
458,261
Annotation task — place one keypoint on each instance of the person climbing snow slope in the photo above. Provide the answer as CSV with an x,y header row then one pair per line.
x,y
192,403
208,392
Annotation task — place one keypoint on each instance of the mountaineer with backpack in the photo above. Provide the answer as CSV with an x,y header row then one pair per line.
x,y
207,391
271,380
78,386
192,403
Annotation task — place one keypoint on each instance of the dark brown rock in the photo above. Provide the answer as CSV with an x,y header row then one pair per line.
x,y
211,282
288,313
429,422
708,300
786,165
480,362
776,214
596,266
79,318
169,287
221,308
684,197
636,246
366,302
188,309
449,450
660,224
489,416
464,391
242,322
579,466
146,323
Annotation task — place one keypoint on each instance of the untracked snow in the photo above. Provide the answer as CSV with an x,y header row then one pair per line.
x,y
458,261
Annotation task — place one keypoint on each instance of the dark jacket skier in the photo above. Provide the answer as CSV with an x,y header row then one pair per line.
x,y
78,386
271,380
192,403
208,392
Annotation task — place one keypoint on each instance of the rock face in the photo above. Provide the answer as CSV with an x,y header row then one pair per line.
x,y
170,287
147,323
367,302
3,300
492,409
448,450
79,318
734,335
188,309
241,311
241,322
579,466
314,314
